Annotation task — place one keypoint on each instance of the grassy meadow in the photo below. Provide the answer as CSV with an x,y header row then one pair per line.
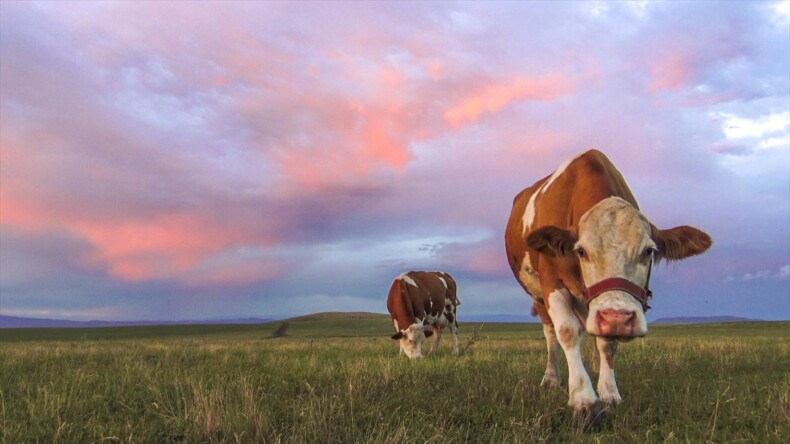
x,y
337,380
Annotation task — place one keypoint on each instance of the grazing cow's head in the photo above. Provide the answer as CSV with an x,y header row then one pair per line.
x,y
614,240
411,340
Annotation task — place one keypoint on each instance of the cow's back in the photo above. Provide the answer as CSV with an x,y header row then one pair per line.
x,y
430,293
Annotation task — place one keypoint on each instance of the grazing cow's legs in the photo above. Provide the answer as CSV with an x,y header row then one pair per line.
x,y
437,335
454,331
607,386
552,376
580,391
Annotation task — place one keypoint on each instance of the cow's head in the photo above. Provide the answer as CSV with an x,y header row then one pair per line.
x,y
614,240
411,340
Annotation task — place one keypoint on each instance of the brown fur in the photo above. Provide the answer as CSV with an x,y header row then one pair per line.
x,y
407,303
680,242
587,180
559,203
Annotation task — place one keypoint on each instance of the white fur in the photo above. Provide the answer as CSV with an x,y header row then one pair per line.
x,y
414,336
615,235
406,278
454,330
411,342
607,385
616,300
529,212
568,330
558,172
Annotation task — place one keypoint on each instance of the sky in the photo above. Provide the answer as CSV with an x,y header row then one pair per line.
x,y
203,160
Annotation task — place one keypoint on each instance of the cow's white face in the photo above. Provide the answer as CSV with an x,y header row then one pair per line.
x,y
615,242
411,340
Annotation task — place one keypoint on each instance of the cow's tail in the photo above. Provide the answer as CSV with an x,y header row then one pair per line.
x,y
452,294
452,290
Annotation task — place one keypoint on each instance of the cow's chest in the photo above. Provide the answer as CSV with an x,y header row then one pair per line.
x,y
529,277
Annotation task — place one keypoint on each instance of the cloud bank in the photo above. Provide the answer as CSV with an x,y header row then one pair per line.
x,y
162,160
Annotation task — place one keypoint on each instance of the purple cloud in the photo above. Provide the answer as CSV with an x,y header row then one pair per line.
x,y
273,159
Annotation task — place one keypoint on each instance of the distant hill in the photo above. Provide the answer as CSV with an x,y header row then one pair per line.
x,y
338,316
505,318
18,322
703,320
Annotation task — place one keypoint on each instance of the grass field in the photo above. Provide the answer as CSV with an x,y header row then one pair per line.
x,y
333,379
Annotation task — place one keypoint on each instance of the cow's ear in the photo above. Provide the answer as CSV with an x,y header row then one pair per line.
x,y
428,333
552,241
680,242
397,335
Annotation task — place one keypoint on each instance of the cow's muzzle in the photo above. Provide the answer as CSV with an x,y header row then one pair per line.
x,y
620,323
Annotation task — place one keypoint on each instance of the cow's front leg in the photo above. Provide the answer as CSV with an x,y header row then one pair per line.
x,y
581,396
607,385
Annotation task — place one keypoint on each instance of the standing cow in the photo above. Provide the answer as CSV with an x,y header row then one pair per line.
x,y
579,246
421,304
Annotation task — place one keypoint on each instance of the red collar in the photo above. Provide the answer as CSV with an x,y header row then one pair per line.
x,y
641,294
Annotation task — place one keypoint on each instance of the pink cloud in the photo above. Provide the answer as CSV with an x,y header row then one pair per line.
x,y
492,98
237,273
188,145
357,143
672,71
166,247
680,57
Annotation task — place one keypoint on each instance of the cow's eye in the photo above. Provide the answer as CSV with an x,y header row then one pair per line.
x,y
581,253
649,252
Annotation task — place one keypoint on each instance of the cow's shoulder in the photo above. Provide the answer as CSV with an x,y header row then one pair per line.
x,y
520,200
591,163
410,278
426,280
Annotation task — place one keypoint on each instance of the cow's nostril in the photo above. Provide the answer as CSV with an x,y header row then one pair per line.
x,y
616,322
617,316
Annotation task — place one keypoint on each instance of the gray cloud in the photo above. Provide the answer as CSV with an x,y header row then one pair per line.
x,y
241,158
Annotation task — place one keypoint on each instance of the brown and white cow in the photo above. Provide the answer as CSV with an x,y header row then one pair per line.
x,y
578,244
421,304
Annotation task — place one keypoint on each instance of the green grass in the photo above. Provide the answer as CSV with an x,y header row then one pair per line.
x,y
338,380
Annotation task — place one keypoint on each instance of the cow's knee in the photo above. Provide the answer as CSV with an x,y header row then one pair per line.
x,y
568,335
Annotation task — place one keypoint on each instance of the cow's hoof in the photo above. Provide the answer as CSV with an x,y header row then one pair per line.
x,y
590,417
611,400
550,381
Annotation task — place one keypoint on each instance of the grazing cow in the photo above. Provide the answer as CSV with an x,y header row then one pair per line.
x,y
421,304
579,246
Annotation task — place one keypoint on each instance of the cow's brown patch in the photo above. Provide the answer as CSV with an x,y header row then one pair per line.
x,y
609,349
567,336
